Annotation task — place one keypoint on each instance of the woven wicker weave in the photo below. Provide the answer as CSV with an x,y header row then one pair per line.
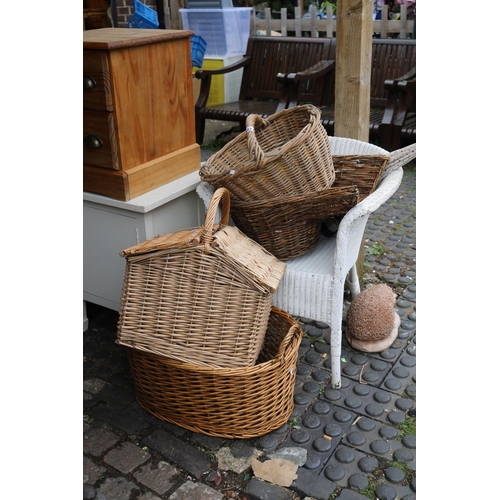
x,y
399,158
201,296
287,154
224,402
363,171
290,226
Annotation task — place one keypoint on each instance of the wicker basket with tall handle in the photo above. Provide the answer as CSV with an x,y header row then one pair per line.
x,y
200,295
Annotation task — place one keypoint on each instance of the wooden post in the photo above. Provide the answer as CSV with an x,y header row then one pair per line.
x,y
352,68
352,77
175,17
166,13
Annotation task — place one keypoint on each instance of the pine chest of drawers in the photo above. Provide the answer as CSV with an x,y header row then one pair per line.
x,y
138,110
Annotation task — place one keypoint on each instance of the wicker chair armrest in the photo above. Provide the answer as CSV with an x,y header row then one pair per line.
x,y
205,191
386,188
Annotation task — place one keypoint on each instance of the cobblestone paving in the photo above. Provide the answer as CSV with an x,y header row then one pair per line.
x,y
360,440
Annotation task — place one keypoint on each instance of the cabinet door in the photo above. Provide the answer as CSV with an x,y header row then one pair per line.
x,y
105,235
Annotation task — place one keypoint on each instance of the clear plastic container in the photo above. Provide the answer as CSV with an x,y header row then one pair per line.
x,y
226,31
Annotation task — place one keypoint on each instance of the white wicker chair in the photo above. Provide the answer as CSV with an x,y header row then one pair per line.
x,y
313,284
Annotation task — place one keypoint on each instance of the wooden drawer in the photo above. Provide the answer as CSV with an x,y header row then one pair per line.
x,y
138,110
100,146
97,92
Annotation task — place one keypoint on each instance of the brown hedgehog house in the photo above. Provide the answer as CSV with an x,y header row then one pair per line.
x,y
372,324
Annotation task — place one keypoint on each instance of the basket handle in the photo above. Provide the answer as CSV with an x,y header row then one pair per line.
x,y
252,122
222,194
256,121
289,337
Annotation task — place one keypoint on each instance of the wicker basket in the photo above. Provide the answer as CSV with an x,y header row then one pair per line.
x,y
289,227
224,402
201,296
363,171
287,154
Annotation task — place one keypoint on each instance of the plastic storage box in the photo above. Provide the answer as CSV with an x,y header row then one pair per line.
x,y
143,17
209,4
198,48
226,31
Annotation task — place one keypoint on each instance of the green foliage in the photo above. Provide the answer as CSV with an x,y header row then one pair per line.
x,y
369,491
408,471
324,5
409,426
376,249
320,6
313,339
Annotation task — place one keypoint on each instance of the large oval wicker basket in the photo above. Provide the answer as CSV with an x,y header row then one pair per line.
x,y
202,295
287,154
224,402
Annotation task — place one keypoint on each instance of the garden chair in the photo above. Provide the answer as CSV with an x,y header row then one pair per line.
x,y
313,284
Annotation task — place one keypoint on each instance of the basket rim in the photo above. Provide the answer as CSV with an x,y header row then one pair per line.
x,y
305,132
292,199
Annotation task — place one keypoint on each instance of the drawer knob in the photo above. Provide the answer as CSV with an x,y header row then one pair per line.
x,y
88,82
92,142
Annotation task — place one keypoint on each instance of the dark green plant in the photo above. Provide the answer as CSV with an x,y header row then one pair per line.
x,y
313,339
376,249
409,426
325,4
369,491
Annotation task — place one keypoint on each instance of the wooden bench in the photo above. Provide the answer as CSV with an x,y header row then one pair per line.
x,y
261,92
405,123
282,72
392,92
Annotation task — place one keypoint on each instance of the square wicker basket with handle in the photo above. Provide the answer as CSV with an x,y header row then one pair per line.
x,y
200,295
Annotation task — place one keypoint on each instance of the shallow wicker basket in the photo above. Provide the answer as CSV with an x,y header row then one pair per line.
x,y
289,227
224,402
363,171
287,154
201,296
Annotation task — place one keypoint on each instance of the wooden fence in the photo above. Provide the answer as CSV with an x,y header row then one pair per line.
x,y
314,27
277,23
